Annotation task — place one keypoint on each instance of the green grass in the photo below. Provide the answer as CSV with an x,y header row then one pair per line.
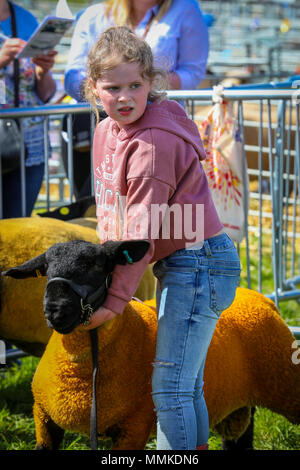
x,y
16,420
289,310
272,431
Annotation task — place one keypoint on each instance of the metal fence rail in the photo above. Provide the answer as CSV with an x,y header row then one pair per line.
x,y
268,119
274,216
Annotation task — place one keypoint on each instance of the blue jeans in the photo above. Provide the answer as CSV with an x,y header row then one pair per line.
x,y
12,201
194,287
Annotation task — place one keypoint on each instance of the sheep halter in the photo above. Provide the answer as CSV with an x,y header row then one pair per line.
x,y
95,298
90,299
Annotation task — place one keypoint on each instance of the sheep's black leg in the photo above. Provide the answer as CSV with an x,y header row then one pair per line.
x,y
245,441
56,435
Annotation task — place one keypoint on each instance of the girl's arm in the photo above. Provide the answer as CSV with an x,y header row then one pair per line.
x,y
142,194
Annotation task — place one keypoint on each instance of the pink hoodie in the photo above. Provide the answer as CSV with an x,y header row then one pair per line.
x,y
144,174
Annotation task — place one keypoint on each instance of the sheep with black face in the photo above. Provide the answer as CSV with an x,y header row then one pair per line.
x,y
77,271
84,270
22,319
249,355
63,380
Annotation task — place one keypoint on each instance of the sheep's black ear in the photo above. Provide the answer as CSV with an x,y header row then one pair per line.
x,y
33,268
123,252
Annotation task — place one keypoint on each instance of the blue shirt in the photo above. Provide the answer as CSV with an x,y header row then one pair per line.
x,y
26,23
179,43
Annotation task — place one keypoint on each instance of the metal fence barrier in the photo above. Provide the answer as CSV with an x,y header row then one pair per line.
x,y
268,119
271,148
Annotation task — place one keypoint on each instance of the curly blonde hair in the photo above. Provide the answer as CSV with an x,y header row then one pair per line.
x,y
119,44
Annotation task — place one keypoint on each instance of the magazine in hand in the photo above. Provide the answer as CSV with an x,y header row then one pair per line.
x,y
49,32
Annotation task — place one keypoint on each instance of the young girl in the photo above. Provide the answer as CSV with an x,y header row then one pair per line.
x,y
149,183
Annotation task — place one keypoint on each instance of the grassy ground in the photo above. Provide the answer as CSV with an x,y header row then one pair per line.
x,y
272,432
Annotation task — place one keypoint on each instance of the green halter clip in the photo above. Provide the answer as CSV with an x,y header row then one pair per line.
x,y
126,254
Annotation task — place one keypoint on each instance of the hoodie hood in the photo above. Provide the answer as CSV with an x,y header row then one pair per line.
x,y
169,116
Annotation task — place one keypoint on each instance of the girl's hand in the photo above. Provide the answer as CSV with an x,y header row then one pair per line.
x,y
43,63
10,48
99,317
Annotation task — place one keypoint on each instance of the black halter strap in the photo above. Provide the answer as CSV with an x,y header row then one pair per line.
x,y
93,415
90,300
16,61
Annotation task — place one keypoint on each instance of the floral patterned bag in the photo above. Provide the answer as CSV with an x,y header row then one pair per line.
x,y
224,168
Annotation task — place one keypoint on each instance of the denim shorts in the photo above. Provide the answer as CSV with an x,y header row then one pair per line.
x,y
194,287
